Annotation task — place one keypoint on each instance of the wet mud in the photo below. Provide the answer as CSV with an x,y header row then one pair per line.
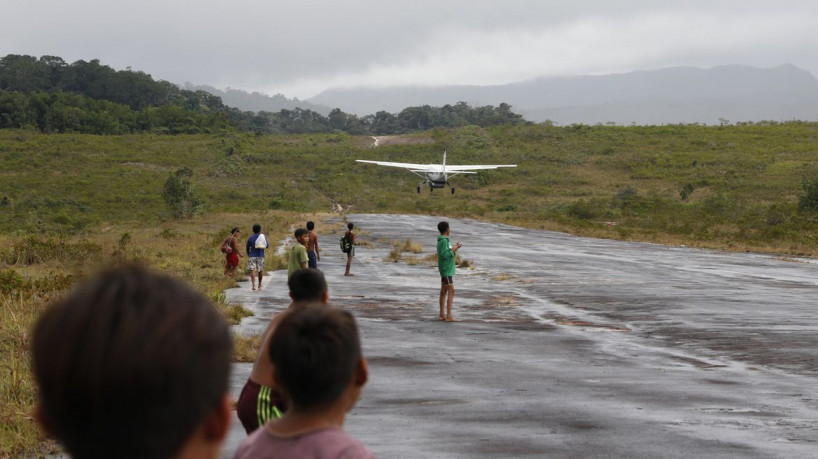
x,y
570,347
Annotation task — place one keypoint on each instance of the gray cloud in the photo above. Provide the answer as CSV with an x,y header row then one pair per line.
x,y
300,48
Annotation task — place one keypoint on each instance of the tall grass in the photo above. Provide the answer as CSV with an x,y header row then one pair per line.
x,y
725,186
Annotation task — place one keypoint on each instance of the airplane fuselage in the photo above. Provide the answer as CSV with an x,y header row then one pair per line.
x,y
436,176
436,179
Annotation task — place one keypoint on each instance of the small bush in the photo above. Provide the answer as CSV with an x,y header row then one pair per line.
x,y
10,281
394,255
808,202
687,190
582,209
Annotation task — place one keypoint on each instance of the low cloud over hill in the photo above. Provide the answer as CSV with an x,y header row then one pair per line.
x,y
673,95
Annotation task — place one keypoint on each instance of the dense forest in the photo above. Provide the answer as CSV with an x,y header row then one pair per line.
x,y
52,96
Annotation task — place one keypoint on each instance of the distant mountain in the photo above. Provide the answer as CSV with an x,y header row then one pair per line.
x,y
257,102
671,95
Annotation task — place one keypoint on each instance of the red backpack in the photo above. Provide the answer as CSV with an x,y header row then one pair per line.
x,y
226,246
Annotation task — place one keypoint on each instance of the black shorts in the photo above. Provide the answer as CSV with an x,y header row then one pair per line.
x,y
447,280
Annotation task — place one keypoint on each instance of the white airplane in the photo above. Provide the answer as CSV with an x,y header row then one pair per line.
x,y
436,175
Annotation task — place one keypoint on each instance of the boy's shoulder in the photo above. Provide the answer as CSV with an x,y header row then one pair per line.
x,y
327,442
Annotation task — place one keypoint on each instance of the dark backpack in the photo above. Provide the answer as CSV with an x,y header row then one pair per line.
x,y
346,246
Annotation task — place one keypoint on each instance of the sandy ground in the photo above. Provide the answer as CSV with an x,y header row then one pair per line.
x,y
571,347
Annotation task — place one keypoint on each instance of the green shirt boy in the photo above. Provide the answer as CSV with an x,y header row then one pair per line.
x,y
445,256
445,264
298,254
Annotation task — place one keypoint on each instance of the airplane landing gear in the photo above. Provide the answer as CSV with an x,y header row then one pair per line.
x,y
418,189
452,190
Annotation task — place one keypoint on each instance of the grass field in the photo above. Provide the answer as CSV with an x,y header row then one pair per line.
x,y
73,203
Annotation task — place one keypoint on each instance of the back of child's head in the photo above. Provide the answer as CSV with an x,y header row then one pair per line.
x,y
129,364
315,350
300,232
442,227
256,228
350,226
307,285
310,226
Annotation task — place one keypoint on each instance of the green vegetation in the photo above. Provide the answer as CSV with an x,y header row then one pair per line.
x,y
74,202
52,96
741,187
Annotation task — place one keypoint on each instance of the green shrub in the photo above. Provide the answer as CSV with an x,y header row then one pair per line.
x,y
10,281
808,202
582,209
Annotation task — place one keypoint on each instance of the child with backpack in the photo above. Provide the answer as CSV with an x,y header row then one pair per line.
x,y
230,247
348,246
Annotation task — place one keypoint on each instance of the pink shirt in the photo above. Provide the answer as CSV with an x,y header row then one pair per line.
x,y
328,443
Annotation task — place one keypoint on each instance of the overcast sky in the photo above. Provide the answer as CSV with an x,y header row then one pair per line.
x,y
300,47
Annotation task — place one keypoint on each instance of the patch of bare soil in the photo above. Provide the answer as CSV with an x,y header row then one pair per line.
x,y
383,140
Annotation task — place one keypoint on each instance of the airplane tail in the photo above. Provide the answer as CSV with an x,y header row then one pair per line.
x,y
444,160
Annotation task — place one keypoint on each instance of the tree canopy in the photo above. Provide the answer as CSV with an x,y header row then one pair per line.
x,y
52,96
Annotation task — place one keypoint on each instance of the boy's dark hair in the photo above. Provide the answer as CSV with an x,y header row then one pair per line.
x,y
300,232
442,227
350,226
233,231
129,364
315,350
256,228
310,226
307,284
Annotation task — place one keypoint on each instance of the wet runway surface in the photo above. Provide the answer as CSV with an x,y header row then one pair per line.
x,y
570,347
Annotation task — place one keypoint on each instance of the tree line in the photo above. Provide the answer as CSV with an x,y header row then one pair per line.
x,y
53,96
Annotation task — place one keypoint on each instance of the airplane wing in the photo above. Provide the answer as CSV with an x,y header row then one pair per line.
x,y
410,166
450,168
435,167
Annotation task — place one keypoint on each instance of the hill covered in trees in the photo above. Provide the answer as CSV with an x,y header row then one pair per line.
x,y
53,96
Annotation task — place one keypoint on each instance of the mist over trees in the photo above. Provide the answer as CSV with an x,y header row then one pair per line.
x,y
53,96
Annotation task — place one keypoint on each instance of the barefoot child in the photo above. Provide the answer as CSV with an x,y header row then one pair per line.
x,y
313,252
256,244
350,237
445,264
316,354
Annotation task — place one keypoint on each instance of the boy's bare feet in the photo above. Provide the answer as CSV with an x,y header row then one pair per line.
x,y
349,274
441,317
451,319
